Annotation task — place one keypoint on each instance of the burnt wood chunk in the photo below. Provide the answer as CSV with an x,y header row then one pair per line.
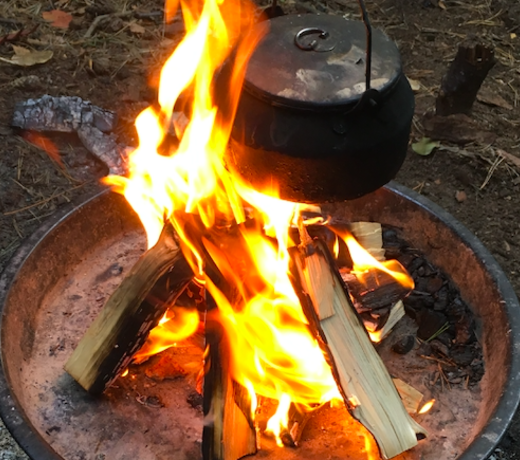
x,y
366,386
460,85
229,432
131,312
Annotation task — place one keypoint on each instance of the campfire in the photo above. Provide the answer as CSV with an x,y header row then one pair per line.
x,y
291,300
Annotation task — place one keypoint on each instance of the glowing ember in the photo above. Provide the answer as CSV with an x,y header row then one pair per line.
x,y
426,407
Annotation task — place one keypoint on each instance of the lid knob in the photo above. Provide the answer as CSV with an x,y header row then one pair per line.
x,y
314,39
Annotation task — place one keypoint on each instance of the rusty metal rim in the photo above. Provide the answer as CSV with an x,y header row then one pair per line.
x,y
38,449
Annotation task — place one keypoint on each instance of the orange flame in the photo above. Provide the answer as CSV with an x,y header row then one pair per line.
x,y
273,352
363,262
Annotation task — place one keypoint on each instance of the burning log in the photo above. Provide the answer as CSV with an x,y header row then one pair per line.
x,y
229,432
128,316
362,377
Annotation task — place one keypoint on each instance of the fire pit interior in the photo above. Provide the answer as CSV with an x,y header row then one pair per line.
x,y
57,283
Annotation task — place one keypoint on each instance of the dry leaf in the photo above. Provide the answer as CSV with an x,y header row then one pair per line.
x,y
136,28
20,50
57,18
425,146
26,58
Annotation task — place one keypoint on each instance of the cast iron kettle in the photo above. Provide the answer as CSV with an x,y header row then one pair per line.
x,y
325,111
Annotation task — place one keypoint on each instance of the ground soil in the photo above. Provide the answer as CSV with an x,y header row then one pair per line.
x,y
116,67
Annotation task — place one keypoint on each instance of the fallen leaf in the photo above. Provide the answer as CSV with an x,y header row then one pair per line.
x,y
58,18
425,146
20,50
460,196
136,28
26,58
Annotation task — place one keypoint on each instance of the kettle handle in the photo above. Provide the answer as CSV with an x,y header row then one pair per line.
x,y
368,28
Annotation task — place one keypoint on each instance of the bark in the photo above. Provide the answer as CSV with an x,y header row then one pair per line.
x,y
460,85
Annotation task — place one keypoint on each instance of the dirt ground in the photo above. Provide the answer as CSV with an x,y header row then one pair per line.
x,y
110,54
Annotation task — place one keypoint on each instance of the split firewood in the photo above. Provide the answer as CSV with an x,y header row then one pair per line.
x,y
378,333
130,313
410,396
376,290
460,85
229,432
366,386
370,236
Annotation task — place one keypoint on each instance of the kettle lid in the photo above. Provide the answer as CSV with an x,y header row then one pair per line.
x,y
314,61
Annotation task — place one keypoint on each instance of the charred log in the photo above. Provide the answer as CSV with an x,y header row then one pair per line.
x,y
229,432
130,313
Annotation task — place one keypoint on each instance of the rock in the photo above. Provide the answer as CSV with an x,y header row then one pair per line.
x,y
460,196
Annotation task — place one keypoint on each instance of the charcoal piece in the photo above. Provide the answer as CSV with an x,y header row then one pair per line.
x,y
424,349
446,337
433,284
63,114
405,260
464,330
404,345
457,309
195,400
429,323
441,299
462,355
415,264
440,348
415,302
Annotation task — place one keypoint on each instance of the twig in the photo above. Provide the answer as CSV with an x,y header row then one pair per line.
x,y
99,19
437,360
492,169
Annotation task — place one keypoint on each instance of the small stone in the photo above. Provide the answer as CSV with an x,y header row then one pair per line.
x,y
404,344
461,196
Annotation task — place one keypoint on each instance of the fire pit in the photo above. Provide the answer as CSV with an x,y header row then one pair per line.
x,y
58,280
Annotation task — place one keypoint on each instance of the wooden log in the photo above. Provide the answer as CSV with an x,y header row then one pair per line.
x,y
377,290
229,432
460,85
365,384
131,312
